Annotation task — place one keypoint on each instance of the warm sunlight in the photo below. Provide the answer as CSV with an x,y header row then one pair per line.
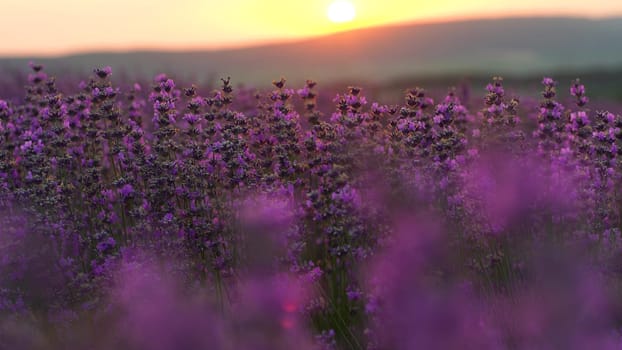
x,y
341,11
201,24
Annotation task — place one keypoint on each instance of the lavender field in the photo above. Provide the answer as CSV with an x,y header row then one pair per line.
x,y
160,216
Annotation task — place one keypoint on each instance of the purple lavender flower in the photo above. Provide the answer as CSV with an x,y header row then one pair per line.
x,y
103,72
126,191
168,218
108,243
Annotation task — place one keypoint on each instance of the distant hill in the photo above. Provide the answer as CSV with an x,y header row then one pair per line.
x,y
513,46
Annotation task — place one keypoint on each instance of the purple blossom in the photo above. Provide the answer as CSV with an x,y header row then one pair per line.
x,y
105,245
548,82
359,225
168,218
103,72
126,191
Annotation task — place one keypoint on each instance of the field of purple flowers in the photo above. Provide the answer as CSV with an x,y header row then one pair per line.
x,y
154,217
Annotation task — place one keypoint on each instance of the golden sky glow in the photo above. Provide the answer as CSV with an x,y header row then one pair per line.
x,y
52,27
341,11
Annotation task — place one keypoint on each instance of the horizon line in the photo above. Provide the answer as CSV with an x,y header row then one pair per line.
x,y
285,41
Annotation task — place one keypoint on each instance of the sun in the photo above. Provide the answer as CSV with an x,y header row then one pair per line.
x,y
341,11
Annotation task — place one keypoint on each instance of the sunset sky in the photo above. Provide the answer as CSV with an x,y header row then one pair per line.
x,y
54,27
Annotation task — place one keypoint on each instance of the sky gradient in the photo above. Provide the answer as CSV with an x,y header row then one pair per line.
x,y
56,27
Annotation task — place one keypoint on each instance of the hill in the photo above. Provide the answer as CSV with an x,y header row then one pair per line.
x,y
511,46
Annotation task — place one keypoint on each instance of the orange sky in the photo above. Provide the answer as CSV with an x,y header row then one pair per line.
x,y
53,27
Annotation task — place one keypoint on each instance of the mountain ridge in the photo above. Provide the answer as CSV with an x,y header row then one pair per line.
x,y
509,46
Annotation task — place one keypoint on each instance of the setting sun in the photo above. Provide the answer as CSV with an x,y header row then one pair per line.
x,y
213,25
341,11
